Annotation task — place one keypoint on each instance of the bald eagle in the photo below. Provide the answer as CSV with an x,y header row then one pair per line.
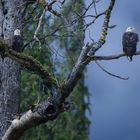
x,y
17,41
129,42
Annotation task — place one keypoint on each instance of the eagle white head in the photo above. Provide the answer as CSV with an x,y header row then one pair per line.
x,y
130,29
17,32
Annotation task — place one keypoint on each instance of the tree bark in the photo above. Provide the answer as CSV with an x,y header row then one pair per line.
x,y
10,19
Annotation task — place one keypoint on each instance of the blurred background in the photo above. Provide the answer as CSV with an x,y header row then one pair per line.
x,y
115,103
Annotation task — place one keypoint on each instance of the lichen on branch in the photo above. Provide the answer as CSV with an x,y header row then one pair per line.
x,y
28,62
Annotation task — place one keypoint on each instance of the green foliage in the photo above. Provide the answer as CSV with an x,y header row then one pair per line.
x,y
72,124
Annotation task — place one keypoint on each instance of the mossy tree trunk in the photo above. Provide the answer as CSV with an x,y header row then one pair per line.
x,y
10,19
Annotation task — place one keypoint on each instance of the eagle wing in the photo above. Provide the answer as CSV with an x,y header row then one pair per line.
x,y
17,43
130,39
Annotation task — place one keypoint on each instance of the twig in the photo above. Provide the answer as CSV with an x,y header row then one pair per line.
x,y
39,24
51,10
104,32
111,74
95,18
95,8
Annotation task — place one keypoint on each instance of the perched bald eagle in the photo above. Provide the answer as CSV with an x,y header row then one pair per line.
x,y
129,42
17,41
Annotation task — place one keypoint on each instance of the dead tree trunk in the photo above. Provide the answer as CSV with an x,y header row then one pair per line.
x,y
10,18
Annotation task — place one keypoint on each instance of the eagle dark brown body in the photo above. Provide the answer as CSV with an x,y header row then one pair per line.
x,y
129,41
17,43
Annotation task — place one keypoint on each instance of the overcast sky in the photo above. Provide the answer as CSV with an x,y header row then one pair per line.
x,y
116,103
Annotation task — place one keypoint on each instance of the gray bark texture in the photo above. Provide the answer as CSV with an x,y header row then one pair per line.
x,y
10,19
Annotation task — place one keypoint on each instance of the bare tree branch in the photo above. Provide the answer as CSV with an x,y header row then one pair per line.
x,y
39,25
29,63
111,74
84,58
42,113
111,57
104,31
